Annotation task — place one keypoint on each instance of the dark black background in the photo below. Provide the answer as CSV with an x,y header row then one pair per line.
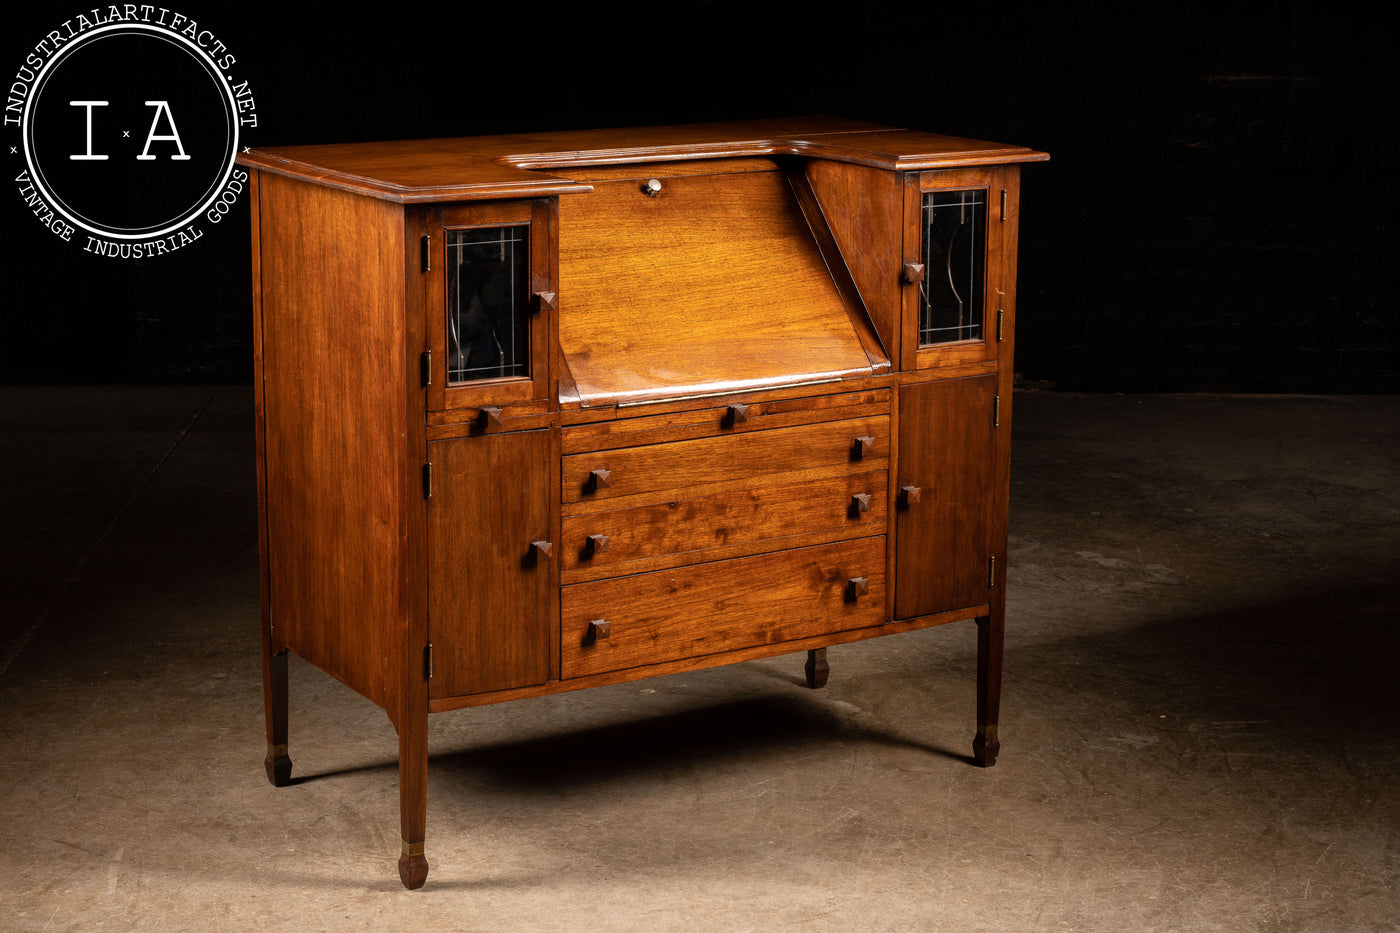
x,y
1218,214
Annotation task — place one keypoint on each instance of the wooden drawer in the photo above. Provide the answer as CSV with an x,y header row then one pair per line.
x,y
758,415
830,447
722,606
689,529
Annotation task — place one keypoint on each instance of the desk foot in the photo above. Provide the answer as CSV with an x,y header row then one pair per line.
x,y
413,866
816,669
278,765
985,747
989,647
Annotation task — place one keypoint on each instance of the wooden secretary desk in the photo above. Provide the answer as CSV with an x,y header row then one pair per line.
x,y
550,411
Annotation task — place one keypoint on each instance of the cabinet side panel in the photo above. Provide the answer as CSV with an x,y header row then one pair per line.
x,y
1010,223
865,209
335,424
270,646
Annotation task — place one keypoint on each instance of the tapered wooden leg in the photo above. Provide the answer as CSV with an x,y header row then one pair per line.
x,y
816,669
413,799
278,765
990,630
413,866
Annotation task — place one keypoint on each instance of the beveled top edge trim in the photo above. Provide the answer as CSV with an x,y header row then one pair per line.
x,y
536,185
488,173
989,155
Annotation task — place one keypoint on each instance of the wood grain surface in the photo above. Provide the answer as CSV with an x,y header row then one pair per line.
x,y
726,459
722,606
695,526
489,616
713,284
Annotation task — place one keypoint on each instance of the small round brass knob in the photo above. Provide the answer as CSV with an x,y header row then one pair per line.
x,y
652,188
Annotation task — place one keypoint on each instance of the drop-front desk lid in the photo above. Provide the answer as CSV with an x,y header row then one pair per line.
x,y
718,281
713,283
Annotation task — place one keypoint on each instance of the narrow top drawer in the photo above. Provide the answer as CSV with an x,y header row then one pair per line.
x,y
851,445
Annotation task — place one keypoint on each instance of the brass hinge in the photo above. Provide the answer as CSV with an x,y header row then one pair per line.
x,y
426,256
425,367
428,661
1001,326
1003,205
992,571
427,481
996,411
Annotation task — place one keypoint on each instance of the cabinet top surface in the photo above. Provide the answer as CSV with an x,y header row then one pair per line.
x,y
541,164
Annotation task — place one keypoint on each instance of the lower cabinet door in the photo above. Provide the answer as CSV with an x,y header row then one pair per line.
x,y
944,495
490,585
727,605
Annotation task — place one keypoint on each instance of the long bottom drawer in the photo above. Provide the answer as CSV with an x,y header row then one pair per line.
x,y
610,625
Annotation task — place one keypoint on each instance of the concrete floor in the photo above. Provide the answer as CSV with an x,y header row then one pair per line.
x,y
1199,727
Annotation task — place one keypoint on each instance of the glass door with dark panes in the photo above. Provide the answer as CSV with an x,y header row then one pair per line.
x,y
954,291
490,294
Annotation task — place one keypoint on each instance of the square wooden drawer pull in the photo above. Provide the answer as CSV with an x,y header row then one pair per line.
x,y
908,495
736,414
856,587
490,417
862,446
860,503
599,629
599,479
540,549
596,544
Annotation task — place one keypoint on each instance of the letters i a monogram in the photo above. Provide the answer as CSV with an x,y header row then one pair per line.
x,y
161,106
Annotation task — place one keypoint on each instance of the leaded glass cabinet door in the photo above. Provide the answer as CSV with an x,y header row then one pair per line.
x,y
955,274
490,305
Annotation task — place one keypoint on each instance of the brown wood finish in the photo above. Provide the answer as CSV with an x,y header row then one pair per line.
x,y
643,171
753,307
729,446
727,458
835,261
706,527
701,662
712,608
407,704
864,208
488,619
992,626
947,449
535,164
913,356
817,670
277,763
487,397
337,481
991,633
635,427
